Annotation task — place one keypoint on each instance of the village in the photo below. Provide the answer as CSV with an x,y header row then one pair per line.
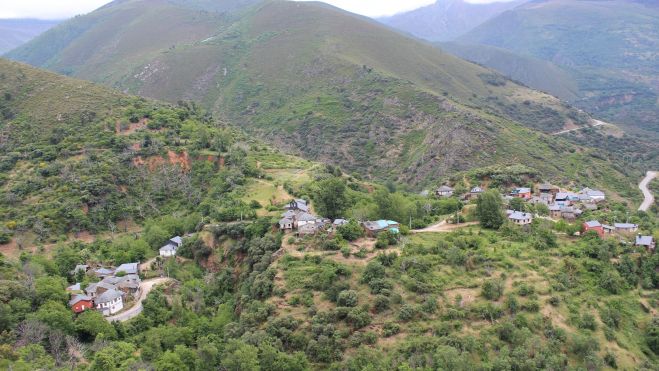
x,y
117,289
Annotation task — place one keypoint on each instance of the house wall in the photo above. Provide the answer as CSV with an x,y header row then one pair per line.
x,y
82,306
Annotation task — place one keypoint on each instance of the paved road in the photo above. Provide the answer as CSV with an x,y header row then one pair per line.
x,y
595,123
643,186
147,286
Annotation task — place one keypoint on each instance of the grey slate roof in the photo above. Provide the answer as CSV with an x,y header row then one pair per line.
x,y
178,240
625,225
517,215
593,224
108,296
129,268
77,298
74,287
644,240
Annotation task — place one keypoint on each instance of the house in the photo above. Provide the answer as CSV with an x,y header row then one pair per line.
x,y
298,204
110,302
103,272
555,211
562,199
444,191
625,227
339,222
544,198
547,189
286,224
608,229
308,229
520,218
305,218
593,194
98,288
570,213
79,303
475,192
74,288
593,225
372,228
524,193
170,248
128,268
646,241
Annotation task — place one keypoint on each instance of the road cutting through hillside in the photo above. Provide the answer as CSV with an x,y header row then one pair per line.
x,y
146,286
643,186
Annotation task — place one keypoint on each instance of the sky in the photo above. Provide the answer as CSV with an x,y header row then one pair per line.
x,y
60,9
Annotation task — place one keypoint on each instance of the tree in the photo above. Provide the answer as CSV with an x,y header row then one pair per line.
x,y
56,315
347,298
350,231
91,323
517,204
50,288
239,356
489,210
330,197
170,361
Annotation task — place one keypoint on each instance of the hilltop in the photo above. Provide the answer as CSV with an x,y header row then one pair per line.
x,y
608,48
446,20
317,82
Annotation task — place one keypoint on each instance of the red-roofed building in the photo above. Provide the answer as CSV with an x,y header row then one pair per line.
x,y
593,225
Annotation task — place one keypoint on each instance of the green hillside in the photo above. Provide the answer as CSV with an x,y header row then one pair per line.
x,y
608,47
537,73
89,175
317,82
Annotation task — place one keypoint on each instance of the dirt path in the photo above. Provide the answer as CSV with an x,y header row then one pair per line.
x,y
643,186
146,286
443,226
594,124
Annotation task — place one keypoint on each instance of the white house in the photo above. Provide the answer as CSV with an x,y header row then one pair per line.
x,y
625,227
171,247
520,218
109,302
646,241
444,191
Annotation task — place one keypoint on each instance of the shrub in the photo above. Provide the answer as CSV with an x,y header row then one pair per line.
x,y
588,322
381,303
347,298
407,312
358,318
345,251
390,329
492,289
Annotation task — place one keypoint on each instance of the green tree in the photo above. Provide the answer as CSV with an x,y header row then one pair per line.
x,y
517,204
492,289
239,356
56,315
170,361
50,288
90,324
330,197
350,231
489,210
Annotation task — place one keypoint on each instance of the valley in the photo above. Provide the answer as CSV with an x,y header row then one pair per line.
x,y
273,185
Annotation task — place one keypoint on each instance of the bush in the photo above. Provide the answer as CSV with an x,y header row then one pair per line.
x,y
350,231
407,312
345,251
492,289
347,298
390,329
588,322
381,303
358,318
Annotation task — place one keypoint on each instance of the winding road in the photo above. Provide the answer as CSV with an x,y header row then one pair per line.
x,y
146,286
643,186
594,124
442,226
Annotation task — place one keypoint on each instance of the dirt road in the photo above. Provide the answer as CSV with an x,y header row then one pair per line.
x,y
595,123
443,226
147,286
643,186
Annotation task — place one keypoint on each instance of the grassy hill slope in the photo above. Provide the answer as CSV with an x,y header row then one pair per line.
x,y
537,73
318,82
608,47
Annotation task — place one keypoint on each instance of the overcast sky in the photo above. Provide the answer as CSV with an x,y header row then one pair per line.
x,y
59,9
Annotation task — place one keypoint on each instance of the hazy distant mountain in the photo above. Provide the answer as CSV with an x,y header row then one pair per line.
x,y
447,19
15,32
609,48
